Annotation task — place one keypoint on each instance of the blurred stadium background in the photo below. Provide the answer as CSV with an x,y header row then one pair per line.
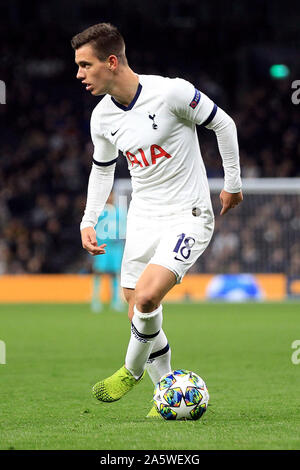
x,y
246,58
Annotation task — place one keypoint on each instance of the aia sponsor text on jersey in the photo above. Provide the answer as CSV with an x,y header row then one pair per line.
x,y
140,158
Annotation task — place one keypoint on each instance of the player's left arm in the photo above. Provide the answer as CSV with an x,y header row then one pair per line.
x,y
187,102
225,129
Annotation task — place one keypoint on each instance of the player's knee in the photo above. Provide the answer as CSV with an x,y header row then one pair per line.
x,y
146,301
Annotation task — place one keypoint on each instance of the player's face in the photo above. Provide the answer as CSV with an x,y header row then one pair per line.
x,y
93,73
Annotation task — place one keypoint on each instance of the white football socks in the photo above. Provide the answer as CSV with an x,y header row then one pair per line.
x,y
159,361
145,328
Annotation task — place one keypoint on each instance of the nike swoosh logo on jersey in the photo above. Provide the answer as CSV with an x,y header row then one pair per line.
x,y
113,133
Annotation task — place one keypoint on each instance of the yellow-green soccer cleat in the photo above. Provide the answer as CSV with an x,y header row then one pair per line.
x,y
153,413
114,387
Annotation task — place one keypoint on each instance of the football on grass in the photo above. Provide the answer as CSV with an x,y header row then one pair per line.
x,y
181,394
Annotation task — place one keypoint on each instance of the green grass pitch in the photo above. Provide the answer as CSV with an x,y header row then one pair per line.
x,y
55,353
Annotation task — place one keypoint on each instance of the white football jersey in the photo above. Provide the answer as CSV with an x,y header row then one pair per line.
x,y
157,135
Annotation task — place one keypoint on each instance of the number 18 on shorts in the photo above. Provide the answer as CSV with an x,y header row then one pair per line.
x,y
172,242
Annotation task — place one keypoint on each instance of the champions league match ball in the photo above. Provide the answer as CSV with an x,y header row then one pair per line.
x,y
182,395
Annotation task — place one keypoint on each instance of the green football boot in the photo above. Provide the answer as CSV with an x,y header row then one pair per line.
x,y
114,387
153,413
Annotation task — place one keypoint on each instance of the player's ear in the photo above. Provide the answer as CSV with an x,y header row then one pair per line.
x,y
112,62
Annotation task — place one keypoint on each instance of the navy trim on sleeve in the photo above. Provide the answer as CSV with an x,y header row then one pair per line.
x,y
105,163
211,116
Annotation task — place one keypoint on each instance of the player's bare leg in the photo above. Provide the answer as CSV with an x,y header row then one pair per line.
x,y
129,295
146,323
154,283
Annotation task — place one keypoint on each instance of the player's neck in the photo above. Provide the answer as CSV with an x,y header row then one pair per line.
x,y
125,86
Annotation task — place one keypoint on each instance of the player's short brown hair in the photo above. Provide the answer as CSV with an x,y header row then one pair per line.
x,y
105,40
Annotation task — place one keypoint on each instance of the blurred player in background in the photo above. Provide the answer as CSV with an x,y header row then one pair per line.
x,y
152,120
111,228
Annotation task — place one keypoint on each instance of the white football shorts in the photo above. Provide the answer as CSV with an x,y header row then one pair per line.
x,y
174,241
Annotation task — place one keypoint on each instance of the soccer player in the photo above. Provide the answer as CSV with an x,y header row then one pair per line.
x,y
111,227
152,120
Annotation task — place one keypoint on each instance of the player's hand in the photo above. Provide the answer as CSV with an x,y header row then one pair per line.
x,y
89,242
229,200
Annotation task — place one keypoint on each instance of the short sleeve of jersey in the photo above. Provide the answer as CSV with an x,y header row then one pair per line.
x,y
105,153
187,102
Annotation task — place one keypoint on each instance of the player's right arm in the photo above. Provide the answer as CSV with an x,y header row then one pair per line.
x,y
99,187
